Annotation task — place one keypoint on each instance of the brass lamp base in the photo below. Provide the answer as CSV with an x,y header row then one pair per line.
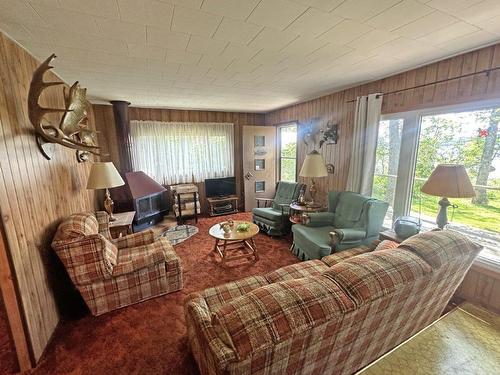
x,y
108,206
312,191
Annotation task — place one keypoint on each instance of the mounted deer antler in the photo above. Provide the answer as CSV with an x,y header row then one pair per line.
x,y
72,131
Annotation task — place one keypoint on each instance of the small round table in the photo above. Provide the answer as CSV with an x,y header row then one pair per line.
x,y
225,243
296,211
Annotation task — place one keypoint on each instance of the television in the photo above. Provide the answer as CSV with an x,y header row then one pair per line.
x,y
220,187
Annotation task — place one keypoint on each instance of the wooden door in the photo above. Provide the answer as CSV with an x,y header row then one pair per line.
x,y
259,163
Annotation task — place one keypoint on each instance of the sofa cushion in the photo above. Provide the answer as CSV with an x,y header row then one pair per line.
x,y
269,213
333,259
314,240
275,312
297,271
438,247
369,276
217,296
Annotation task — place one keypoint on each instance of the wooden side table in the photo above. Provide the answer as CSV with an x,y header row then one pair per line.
x,y
122,225
390,235
296,211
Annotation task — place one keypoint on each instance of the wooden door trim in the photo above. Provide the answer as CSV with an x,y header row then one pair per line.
x,y
13,309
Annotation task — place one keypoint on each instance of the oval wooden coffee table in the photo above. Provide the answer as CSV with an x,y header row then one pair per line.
x,y
241,243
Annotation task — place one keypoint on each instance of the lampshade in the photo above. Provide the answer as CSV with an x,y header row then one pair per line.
x,y
450,181
104,175
314,166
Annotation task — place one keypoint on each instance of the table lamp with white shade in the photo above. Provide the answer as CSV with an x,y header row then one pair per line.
x,y
313,167
448,181
105,176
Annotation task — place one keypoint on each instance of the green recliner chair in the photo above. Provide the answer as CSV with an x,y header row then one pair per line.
x,y
273,220
352,220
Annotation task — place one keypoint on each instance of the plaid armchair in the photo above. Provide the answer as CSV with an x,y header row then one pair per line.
x,y
111,274
328,316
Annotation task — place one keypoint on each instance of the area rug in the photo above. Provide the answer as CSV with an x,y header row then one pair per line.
x,y
150,337
179,233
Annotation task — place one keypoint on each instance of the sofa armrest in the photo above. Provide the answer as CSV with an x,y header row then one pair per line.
x,y
350,234
266,201
199,325
320,219
137,263
134,240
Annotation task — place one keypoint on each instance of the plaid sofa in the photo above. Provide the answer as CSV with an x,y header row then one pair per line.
x,y
111,274
329,316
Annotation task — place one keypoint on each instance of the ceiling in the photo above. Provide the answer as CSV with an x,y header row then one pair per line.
x,y
241,55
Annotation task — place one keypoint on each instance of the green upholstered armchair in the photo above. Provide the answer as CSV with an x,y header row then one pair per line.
x,y
351,220
274,219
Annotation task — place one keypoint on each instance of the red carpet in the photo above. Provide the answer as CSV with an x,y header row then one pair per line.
x,y
8,361
150,337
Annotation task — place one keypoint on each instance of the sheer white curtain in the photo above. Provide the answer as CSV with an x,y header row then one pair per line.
x,y
177,152
364,144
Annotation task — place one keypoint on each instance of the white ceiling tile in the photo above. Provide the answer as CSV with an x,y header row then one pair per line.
x,y
141,60
277,14
240,51
451,6
492,26
273,39
469,41
182,57
324,5
195,22
314,22
166,38
345,32
126,31
399,15
205,45
142,51
361,10
304,45
193,4
15,30
450,32
239,9
216,62
150,12
102,8
426,25
479,12
373,39
232,30
63,19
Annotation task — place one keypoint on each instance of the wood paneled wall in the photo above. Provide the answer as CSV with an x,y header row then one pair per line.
x,y
481,285
35,194
104,120
335,107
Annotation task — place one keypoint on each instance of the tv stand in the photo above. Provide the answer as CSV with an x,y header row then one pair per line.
x,y
223,206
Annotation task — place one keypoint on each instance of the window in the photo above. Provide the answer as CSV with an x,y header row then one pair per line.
x,y
287,137
386,164
464,134
179,152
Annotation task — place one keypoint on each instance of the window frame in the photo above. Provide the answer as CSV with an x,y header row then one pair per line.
x,y
278,149
409,151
